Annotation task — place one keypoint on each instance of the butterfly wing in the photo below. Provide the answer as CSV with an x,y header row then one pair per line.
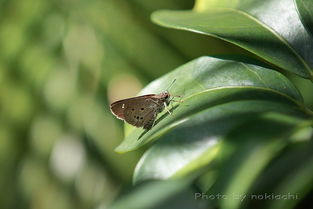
x,y
137,111
143,112
149,120
117,108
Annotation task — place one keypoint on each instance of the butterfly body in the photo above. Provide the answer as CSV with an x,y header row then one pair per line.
x,y
141,111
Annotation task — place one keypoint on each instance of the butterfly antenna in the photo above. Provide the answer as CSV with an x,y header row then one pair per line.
x,y
171,84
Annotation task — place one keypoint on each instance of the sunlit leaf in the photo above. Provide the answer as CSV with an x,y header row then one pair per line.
x,y
160,195
253,150
288,176
305,9
226,87
270,29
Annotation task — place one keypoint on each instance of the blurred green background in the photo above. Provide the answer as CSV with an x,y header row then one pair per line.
x,y
62,62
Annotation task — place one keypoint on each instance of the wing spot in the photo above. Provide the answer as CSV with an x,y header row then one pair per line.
x,y
137,117
133,109
142,108
141,118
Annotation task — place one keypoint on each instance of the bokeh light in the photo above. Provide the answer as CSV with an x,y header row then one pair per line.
x,y
61,65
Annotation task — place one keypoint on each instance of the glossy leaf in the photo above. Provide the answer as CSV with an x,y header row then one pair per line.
x,y
271,30
198,142
255,148
290,173
210,84
299,184
279,15
160,195
305,9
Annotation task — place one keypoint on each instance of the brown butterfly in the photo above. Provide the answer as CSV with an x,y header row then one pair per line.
x,y
141,111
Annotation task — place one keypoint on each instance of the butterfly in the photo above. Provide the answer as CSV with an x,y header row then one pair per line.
x,y
141,111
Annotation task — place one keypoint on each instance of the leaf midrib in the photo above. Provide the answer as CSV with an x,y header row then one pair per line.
x,y
250,87
307,68
168,127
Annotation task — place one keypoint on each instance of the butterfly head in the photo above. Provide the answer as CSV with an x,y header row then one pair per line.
x,y
165,96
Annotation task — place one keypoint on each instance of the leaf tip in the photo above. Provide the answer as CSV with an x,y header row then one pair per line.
x,y
120,149
156,17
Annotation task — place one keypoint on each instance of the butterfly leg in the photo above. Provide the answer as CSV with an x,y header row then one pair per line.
x,y
153,123
166,108
180,101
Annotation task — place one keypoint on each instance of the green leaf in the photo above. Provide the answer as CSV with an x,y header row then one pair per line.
x,y
290,173
196,143
255,144
305,9
262,141
299,184
160,195
211,85
271,30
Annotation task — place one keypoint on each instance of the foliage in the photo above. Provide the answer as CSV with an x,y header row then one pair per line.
x,y
242,125
244,70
